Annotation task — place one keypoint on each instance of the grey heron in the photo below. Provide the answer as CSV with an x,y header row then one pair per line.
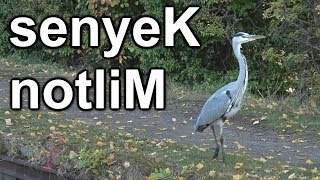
x,y
226,102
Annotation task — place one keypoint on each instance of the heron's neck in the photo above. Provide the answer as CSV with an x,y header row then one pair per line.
x,y
243,74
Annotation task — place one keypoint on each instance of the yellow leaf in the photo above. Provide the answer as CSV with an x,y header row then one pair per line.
x,y
240,127
126,164
238,166
227,122
263,159
62,126
162,129
109,117
100,144
168,171
149,178
299,140
239,145
72,154
288,125
313,104
269,157
52,128
314,170
98,123
134,149
111,145
309,162
212,173
40,115
237,177
199,166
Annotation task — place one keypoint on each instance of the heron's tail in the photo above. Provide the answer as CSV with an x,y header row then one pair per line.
x,y
199,128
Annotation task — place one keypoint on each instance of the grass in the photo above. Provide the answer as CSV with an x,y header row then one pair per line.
x,y
286,116
77,147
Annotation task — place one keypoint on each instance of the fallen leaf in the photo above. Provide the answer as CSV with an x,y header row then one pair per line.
x,y
238,166
239,145
162,129
263,159
292,176
263,118
52,128
285,171
240,127
168,171
212,173
72,154
309,162
62,126
111,159
314,170
40,115
299,140
126,164
100,144
199,166
111,145
109,117
237,177
269,157
227,122
313,104
8,122
256,122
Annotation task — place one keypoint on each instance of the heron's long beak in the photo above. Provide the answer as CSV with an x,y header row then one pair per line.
x,y
255,37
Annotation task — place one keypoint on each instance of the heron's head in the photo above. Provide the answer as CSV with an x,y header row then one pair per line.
x,y
242,37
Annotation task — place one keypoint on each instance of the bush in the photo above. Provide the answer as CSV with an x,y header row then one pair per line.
x,y
287,60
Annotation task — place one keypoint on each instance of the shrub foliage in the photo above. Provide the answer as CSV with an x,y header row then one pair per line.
x,y
287,60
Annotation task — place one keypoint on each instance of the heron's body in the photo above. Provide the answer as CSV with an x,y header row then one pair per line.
x,y
226,102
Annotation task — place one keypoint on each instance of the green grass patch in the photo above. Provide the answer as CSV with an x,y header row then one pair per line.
x,y
286,116
77,147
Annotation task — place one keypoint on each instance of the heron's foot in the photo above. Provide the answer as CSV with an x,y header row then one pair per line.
x,y
216,152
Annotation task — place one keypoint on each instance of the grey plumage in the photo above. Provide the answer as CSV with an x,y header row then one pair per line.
x,y
226,102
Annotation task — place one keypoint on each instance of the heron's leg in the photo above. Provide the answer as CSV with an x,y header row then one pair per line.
x,y
216,151
221,124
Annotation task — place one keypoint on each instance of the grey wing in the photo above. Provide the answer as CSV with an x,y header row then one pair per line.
x,y
214,108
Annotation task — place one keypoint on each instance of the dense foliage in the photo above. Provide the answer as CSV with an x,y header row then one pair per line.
x,y
287,61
